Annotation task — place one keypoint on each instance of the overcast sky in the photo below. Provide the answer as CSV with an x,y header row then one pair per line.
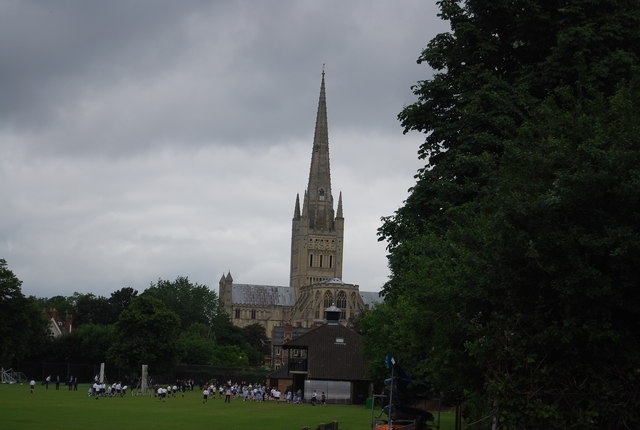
x,y
142,140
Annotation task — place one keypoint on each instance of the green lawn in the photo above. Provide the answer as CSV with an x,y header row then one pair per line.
x,y
69,410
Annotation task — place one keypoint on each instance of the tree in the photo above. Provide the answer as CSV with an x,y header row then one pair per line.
x,y
23,326
193,303
92,309
146,333
88,343
257,343
514,258
62,304
121,299
229,355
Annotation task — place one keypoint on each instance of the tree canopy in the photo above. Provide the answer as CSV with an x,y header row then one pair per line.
x,y
193,303
146,333
22,325
514,285
195,328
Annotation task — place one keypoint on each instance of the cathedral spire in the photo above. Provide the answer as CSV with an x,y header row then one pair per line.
x,y
339,212
320,199
317,234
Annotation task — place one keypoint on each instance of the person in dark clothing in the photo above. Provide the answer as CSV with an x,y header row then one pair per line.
x,y
227,394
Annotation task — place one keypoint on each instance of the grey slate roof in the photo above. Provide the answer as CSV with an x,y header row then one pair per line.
x,y
370,297
262,295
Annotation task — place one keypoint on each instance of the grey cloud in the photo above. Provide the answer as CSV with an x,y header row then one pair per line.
x,y
146,139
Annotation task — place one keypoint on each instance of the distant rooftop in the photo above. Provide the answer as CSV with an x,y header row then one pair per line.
x,y
262,295
370,298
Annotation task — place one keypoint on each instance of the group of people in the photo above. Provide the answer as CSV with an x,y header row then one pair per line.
x,y
255,392
246,392
100,389
71,383
314,398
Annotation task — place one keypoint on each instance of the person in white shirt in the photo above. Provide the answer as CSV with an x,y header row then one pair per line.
x,y
32,384
205,395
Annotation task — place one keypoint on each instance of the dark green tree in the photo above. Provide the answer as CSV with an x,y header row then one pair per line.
x,y
121,299
92,309
146,333
23,326
198,347
193,303
64,305
229,355
88,343
514,258
257,343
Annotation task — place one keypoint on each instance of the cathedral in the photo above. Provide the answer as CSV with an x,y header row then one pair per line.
x,y
317,238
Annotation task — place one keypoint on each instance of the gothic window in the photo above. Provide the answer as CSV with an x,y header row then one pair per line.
x,y
321,194
321,260
341,300
328,299
330,261
237,313
310,260
253,314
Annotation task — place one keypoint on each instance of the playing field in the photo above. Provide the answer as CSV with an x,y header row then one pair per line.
x,y
68,410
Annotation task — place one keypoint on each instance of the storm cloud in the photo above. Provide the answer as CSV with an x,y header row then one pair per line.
x,y
154,139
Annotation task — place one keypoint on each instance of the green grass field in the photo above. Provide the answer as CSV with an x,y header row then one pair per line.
x,y
69,410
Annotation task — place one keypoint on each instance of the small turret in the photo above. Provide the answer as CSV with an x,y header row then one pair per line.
x,y
296,211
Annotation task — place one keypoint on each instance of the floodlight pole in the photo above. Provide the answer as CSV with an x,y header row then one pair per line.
x,y
393,365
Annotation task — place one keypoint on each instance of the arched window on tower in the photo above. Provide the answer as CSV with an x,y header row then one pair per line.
x,y
310,260
321,260
328,299
321,194
331,262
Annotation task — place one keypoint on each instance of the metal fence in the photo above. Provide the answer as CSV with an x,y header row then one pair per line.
x,y
85,372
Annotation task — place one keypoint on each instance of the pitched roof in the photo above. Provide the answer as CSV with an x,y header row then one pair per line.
x,y
262,295
333,353
370,298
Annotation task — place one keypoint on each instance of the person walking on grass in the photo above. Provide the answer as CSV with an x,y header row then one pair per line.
x,y
227,394
32,384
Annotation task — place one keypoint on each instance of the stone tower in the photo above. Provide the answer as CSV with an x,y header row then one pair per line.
x,y
317,232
